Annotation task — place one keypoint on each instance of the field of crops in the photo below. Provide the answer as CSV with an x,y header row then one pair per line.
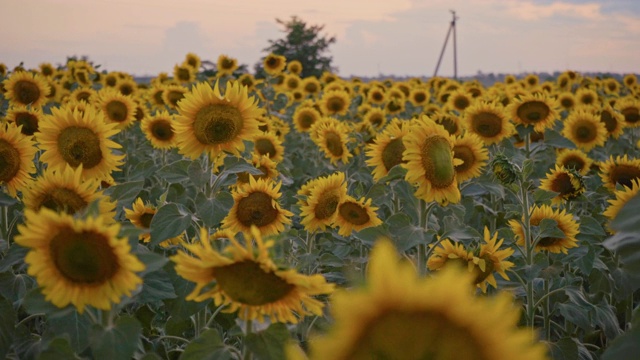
x,y
220,215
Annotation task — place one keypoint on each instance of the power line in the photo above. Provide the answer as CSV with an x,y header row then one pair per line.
x,y
452,29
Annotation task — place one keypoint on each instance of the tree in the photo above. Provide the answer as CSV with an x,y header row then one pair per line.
x,y
304,43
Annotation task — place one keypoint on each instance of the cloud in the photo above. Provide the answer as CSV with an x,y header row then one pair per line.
x,y
529,10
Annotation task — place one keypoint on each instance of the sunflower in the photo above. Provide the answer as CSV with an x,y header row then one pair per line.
x,y
355,215
567,183
74,138
140,216
387,149
574,159
274,64
399,315
586,96
611,86
419,97
566,100
613,121
311,86
127,86
294,67
430,163
622,196
488,122
291,82
323,196
117,108
377,95
491,259
249,81
25,88
245,278
448,251
536,110
335,102
584,129
471,151
192,60
210,122
450,121
184,74
256,204
376,117
328,77
26,116
262,163
172,94
629,107
331,137
556,245
226,65
268,144
459,100
83,94
16,158
158,129
63,190
621,170
630,80
78,261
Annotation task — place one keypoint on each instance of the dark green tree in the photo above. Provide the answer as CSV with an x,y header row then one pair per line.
x,y
303,42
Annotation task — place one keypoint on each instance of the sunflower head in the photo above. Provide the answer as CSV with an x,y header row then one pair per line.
x,y
26,88
16,158
568,183
536,110
503,169
274,64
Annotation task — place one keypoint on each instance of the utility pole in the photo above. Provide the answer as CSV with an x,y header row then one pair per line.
x,y
452,29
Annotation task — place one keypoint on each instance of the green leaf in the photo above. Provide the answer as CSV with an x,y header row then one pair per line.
x,y
8,319
212,211
268,344
396,172
179,307
34,303
156,286
234,165
543,196
564,349
369,236
554,139
548,228
199,177
628,218
14,256
152,261
143,170
590,226
125,193
176,172
58,349
116,342
404,233
170,221
208,346
77,327
624,347
455,229
7,200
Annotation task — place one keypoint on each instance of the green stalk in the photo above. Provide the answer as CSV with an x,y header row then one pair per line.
x,y
248,330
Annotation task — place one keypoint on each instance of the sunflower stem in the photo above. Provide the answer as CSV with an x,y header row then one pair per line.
x,y
424,210
248,330
528,248
105,318
546,311
5,224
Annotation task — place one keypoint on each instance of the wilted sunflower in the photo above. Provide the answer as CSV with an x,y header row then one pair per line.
x,y
387,149
245,278
567,183
274,64
63,190
556,245
158,129
16,158
471,151
78,261
629,107
25,88
613,121
256,204
574,159
430,163
226,65
622,196
332,138
355,215
323,196
487,120
212,123
172,94
140,216
117,108
268,144
335,102
584,129
74,138
399,315
536,110
184,74
26,116
621,170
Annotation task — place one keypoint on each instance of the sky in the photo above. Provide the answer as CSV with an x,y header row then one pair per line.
x,y
374,37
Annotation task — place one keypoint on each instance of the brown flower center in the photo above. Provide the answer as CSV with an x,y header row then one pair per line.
x,y
334,143
9,161
217,124
161,130
530,112
265,147
354,213
26,92
62,200
486,124
28,121
392,153
79,145
326,206
624,174
256,209
117,111
248,283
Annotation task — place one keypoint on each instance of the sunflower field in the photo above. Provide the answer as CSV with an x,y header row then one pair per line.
x,y
217,215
